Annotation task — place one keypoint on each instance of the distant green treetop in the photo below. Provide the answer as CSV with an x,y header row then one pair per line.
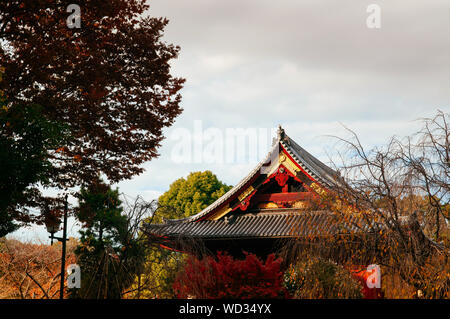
x,y
189,196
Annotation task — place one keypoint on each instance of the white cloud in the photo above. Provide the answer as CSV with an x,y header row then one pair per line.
x,y
307,65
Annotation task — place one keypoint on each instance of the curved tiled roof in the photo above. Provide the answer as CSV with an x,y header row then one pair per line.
x,y
315,168
266,223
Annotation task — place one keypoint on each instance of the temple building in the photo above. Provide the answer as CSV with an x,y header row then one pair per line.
x,y
267,207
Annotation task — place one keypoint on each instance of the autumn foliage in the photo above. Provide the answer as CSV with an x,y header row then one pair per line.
x,y
31,271
226,277
108,83
316,278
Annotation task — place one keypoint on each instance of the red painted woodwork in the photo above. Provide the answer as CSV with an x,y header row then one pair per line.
x,y
281,177
282,197
245,203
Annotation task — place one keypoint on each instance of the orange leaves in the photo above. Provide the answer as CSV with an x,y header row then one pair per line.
x,y
23,265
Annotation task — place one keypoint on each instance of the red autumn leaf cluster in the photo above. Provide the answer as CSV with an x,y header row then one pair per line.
x,y
226,277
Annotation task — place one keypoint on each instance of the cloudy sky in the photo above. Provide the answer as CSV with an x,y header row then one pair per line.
x,y
308,65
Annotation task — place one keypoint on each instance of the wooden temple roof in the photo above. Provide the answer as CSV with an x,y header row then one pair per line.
x,y
267,202
284,223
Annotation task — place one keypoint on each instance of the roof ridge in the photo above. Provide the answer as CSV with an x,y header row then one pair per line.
x,y
322,172
232,191
282,212
311,164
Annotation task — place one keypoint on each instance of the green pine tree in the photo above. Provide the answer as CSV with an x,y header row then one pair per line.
x,y
109,257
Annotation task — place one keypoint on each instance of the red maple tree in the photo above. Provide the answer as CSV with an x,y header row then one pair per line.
x,y
226,277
